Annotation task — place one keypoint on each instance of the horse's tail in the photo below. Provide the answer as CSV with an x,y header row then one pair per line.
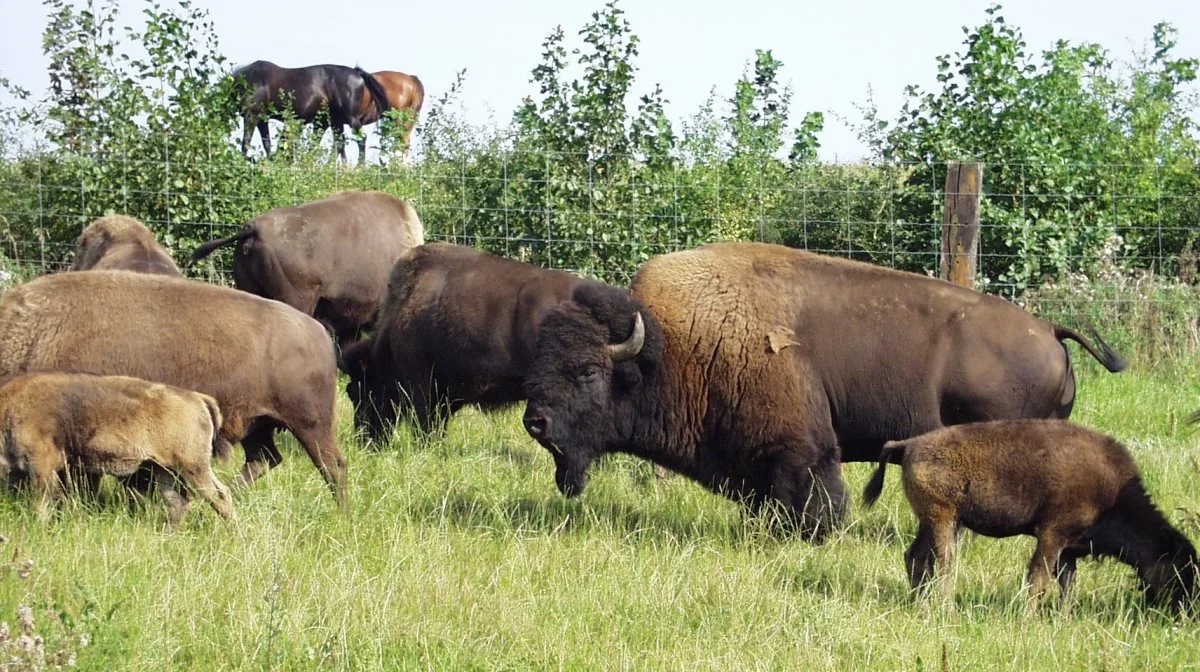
x,y
420,98
377,91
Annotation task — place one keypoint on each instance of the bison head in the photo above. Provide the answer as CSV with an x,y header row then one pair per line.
x,y
90,247
588,375
371,390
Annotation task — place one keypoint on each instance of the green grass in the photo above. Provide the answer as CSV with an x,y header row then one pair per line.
x,y
461,555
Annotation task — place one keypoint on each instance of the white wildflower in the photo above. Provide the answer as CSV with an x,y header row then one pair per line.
x,y
25,618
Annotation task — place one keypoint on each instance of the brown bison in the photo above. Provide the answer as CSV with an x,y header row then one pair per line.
x,y
755,369
329,259
1076,490
117,242
457,326
112,425
267,365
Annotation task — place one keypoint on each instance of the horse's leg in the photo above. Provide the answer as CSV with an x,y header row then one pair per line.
x,y
247,134
264,130
362,148
339,139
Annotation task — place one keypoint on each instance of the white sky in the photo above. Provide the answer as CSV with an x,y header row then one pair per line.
x,y
832,51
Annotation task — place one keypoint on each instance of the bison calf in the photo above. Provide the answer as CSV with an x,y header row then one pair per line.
x,y
117,242
1077,491
112,425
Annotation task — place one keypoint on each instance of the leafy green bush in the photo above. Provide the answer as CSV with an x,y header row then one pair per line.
x,y
1075,148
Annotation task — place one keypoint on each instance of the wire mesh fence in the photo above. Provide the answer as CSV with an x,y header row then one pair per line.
x,y
1067,235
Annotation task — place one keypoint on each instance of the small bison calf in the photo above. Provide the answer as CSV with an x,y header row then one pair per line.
x,y
54,421
1077,491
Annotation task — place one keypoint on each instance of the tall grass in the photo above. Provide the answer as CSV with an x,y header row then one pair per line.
x,y
459,554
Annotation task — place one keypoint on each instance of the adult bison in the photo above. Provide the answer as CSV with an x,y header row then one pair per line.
x,y
329,259
117,242
267,365
755,369
457,326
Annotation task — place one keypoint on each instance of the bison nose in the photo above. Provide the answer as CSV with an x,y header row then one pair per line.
x,y
537,425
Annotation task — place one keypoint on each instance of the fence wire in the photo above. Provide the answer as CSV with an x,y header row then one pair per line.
x,y
1075,235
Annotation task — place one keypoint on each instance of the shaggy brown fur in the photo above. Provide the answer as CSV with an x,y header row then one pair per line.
x,y
112,425
267,365
329,259
457,326
1077,491
763,367
117,242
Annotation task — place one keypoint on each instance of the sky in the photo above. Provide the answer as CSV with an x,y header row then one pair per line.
x,y
833,52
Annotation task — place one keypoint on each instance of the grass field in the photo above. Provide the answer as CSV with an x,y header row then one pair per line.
x,y
461,555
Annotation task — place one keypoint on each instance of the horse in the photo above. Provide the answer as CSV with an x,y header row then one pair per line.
x,y
307,91
404,92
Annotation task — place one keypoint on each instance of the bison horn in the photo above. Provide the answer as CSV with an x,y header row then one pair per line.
x,y
622,352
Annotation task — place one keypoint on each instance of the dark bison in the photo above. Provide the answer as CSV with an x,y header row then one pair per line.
x,y
755,369
117,242
267,365
457,326
1078,491
329,258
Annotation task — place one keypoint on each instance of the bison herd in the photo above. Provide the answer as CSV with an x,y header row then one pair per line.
x,y
753,369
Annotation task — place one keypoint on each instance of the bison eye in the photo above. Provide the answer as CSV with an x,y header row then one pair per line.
x,y
588,374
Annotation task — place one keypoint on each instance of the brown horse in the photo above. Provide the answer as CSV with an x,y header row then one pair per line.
x,y
405,93
269,90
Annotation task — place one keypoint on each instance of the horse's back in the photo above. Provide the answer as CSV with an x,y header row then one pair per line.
x,y
259,72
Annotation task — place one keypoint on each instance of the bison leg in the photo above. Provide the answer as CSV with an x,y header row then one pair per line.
x,y
918,559
321,445
139,481
1045,561
201,478
430,408
814,495
261,455
944,534
44,466
1066,575
176,496
46,491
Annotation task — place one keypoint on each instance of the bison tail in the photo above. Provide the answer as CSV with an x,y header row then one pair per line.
x,y
892,452
1106,355
207,248
221,448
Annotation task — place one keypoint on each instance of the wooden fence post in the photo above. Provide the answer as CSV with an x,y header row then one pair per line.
x,y
960,223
